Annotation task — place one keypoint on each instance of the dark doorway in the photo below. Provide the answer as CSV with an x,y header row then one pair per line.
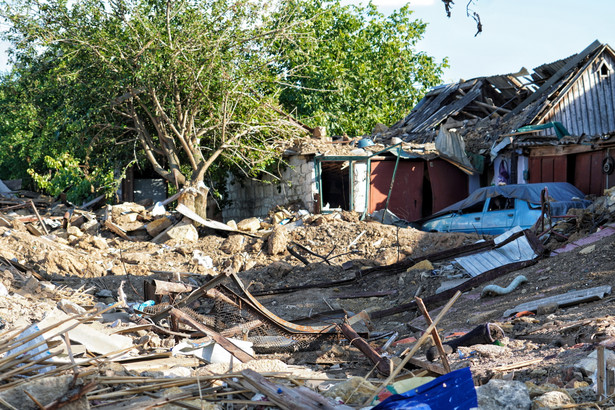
x,y
335,177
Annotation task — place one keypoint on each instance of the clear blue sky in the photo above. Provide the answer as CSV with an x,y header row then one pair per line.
x,y
519,33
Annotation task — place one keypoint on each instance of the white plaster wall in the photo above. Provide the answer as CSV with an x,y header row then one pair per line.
x,y
254,198
359,189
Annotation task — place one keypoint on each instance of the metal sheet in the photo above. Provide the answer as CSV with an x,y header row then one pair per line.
x,y
513,252
448,184
588,176
563,300
406,200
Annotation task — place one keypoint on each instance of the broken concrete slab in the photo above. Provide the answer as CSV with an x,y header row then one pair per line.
x,y
158,225
183,231
249,225
503,395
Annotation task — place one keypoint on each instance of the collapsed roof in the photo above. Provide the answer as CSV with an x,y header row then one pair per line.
x,y
484,109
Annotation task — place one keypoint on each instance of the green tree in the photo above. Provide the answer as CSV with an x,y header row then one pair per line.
x,y
197,85
189,79
363,69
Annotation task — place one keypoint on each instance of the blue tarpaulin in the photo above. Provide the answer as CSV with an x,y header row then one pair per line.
x,y
562,196
453,391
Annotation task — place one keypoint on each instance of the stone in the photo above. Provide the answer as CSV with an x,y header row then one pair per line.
x,y
70,307
279,269
503,395
249,225
547,309
73,230
157,226
587,250
278,240
136,258
389,256
98,242
379,129
183,231
90,227
422,265
232,224
127,207
233,244
551,400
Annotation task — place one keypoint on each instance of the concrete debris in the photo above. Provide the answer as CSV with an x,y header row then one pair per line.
x,y
109,294
503,395
249,225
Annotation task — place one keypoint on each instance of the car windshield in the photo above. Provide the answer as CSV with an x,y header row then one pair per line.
x,y
477,207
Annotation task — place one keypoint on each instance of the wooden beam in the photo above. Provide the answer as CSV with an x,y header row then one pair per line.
x,y
218,338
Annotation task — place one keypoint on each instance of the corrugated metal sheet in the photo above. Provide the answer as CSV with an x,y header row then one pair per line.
x,y
516,251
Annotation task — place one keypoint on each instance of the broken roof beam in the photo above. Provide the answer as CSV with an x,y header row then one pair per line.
x,y
574,61
449,109
492,107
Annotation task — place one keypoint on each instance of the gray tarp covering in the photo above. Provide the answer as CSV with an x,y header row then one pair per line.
x,y
561,195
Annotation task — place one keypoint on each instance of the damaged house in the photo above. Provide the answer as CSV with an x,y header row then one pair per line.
x,y
552,125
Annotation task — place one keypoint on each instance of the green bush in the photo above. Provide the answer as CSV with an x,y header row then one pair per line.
x,y
79,183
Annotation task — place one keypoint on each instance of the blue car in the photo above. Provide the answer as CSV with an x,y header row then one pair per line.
x,y
496,209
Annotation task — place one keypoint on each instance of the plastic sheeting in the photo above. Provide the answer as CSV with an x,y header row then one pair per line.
x,y
453,391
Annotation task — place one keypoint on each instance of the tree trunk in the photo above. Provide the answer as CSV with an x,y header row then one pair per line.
x,y
195,198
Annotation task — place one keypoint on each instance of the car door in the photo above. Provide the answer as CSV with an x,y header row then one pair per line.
x,y
469,220
499,215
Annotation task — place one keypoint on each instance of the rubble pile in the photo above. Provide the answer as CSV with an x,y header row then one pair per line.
x,y
139,307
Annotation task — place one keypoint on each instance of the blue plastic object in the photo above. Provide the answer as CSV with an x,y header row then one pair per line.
x,y
365,142
453,391
141,306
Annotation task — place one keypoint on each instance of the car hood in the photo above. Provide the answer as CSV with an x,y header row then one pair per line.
x,y
561,193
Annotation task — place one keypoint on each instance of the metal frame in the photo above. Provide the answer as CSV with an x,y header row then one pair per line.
x,y
318,159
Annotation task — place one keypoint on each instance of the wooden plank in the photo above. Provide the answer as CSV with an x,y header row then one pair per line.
x,y
218,338
117,230
601,374
559,150
432,367
383,364
416,346
434,333
286,397
367,294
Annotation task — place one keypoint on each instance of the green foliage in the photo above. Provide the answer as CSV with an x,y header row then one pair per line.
x,y
194,87
362,69
67,176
